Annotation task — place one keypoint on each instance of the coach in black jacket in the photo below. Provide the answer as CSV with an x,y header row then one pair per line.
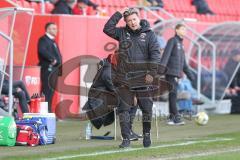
x,y
50,60
138,43
174,59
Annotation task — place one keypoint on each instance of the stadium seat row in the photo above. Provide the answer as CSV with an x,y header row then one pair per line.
x,y
182,8
35,5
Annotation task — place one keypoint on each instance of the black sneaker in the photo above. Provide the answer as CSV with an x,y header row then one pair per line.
x,y
133,137
125,143
177,121
146,140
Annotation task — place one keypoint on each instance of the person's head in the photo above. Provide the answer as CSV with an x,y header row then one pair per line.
x,y
51,28
131,17
71,3
235,54
180,30
159,29
82,3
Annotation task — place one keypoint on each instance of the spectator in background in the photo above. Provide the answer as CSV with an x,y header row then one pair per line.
x,y
233,92
151,3
50,60
84,7
64,7
156,3
231,65
174,59
20,92
234,89
160,38
52,1
38,1
187,96
202,7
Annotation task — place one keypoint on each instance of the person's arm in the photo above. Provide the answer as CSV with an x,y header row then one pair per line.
x,y
153,49
43,51
90,3
187,71
155,56
167,52
110,27
107,79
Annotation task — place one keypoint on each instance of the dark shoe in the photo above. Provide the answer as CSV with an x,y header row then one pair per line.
x,y
137,135
197,102
147,140
125,143
176,121
133,137
179,123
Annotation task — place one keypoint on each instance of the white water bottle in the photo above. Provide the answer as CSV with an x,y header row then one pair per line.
x,y
88,131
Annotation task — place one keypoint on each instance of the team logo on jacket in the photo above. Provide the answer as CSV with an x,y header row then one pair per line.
x,y
179,46
142,36
128,35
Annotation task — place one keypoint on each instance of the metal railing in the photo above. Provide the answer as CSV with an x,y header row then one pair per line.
x,y
5,12
10,72
43,8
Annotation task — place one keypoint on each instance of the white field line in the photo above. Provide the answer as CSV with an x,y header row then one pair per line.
x,y
208,153
137,149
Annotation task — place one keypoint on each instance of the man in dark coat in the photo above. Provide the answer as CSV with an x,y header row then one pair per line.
x,y
138,43
50,60
64,7
102,84
101,94
229,70
174,59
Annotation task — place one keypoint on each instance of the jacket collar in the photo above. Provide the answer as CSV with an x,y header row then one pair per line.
x,y
50,36
179,38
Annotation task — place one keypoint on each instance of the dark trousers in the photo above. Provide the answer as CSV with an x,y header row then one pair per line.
x,y
132,113
235,108
126,103
47,89
22,95
172,98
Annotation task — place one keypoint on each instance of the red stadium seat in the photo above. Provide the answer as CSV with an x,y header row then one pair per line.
x,y
19,3
111,11
226,10
49,7
26,4
122,3
36,6
131,3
